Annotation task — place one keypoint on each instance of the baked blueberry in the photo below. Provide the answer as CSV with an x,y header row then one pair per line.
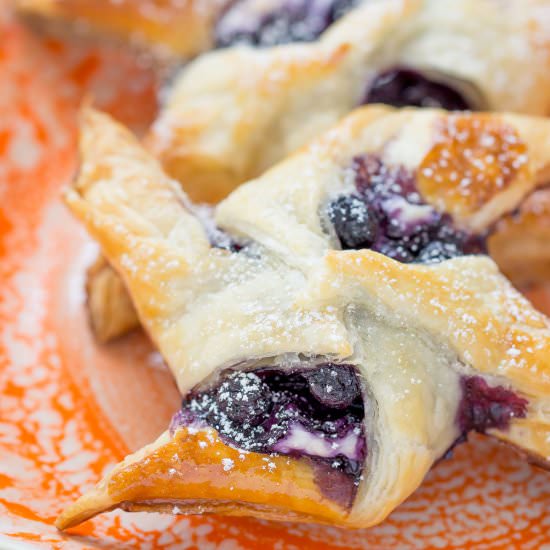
x,y
395,250
221,239
334,386
388,215
244,398
339,8
316,412
355,223
403,87
484,407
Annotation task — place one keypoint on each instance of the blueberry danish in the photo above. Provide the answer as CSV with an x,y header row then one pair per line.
x,y
234,113
324,364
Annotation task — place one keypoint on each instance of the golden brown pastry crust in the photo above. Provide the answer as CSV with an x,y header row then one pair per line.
x,y
519,246
110,307
412,330
181,29
193,471
520,242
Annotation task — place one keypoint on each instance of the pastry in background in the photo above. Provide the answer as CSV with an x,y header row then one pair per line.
x,y
232,114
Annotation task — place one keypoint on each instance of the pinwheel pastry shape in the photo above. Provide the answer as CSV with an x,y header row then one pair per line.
x,y
233,113
181,29
335,327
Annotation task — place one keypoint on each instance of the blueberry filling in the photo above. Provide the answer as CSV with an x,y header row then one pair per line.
x,y
484,407
355,223
403,87
315,413
274,22
388,215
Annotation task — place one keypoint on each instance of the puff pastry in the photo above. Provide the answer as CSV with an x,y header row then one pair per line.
x,y
519,243
181,29
339,331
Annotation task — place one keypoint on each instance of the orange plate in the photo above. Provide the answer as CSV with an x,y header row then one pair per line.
x,y
69,408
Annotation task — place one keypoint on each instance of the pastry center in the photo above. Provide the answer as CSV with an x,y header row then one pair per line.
x,y
403,87
387,214
271,22
316,413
